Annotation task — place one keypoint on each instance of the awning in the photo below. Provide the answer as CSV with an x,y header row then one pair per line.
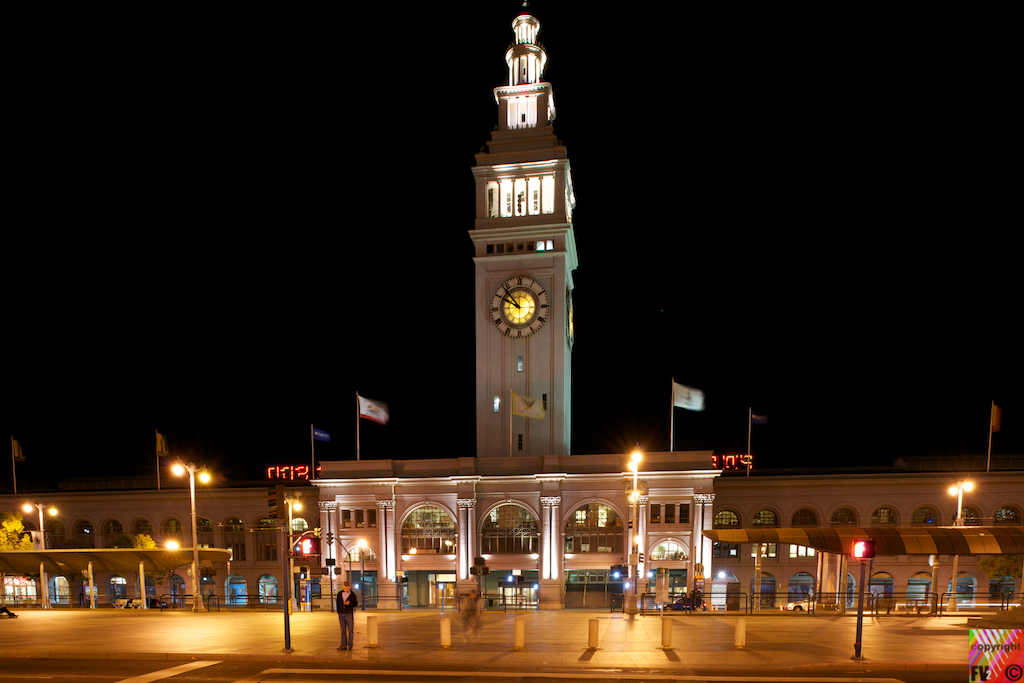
x,y
914,540
118,560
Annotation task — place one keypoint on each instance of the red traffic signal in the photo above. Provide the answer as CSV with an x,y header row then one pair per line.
x,y
307,546
863,550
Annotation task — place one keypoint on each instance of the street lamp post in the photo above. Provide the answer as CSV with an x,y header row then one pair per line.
x,y
45,591
634,555
957,491
204,476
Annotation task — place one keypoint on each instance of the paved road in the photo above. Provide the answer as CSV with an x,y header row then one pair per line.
x,y
554,641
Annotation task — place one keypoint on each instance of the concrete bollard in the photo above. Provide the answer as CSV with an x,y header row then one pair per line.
x,y
741,632
666,633
520,637
446,631
371,631
593,634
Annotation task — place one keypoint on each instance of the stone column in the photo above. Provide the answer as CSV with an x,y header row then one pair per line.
x,y
387,589
641,530
551,587
703,518
329,510
466,582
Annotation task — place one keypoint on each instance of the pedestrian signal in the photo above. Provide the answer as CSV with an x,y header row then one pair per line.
x,y
863,550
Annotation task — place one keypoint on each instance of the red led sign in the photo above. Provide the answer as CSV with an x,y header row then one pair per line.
x,y
732,462
290,472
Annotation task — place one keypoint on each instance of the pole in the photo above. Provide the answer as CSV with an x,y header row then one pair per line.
x,y
750,421
312,455
672,417
362,577
286,591
197,599
357,425
860,614
14,470
157,459
956,558
991,415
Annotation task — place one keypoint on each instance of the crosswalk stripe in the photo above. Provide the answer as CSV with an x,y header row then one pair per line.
x,y
167,673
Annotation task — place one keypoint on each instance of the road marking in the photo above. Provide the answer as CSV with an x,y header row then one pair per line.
x,y
618,675
167,673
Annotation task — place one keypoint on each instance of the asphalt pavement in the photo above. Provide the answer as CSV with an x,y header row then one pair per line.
x,y
556,640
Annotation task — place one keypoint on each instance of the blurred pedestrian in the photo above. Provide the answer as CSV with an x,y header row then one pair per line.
x,y
346,604
471,614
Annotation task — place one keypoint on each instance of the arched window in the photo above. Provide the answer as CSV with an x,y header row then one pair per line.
x,y
173,531
56,534
669,552
844,517
805,517
884,515
766,518
142,526
1008,514
299,525
801,585
234,538
112,531
509,528
726,519
268,588
428,529
204,532
265,538
919,587
85,535
594,528
969,516
925,515
234,590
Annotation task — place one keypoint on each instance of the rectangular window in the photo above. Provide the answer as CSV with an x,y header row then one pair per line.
x,y
346,519
359,519
371,518
656,513
534,185
520,442
547,195
767,549
520,364
800,551
670,513
684,513
551,245
490,248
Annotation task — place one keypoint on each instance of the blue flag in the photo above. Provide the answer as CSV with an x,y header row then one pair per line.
x,y
758,419
320,435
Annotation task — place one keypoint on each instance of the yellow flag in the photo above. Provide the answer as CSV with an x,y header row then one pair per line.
x,y
525,406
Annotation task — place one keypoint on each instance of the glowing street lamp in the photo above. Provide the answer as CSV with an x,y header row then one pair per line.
x,y
634,555
204,476
958,491
28,507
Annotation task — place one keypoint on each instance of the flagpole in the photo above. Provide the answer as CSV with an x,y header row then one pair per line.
x,y
312,454
750,418
157,431
357,425
14,470
991,416
672,416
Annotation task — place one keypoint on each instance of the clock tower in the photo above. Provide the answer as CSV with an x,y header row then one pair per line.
x,y
525,255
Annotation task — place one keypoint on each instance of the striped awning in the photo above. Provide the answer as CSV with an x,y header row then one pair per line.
x,y
119,560
913,540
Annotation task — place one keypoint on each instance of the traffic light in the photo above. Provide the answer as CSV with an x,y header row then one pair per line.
x,y
863,550
276,503
641,558
329,538
303,572
307,547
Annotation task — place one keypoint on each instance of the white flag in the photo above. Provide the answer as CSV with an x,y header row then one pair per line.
x,y
687,397
526,406
377,411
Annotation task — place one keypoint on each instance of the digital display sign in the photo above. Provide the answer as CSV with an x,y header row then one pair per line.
x,y
732,462
290,472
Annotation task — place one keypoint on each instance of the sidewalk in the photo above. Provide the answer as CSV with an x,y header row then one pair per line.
x,y
554,639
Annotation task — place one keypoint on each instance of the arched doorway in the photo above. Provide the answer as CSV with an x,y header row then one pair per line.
x,y
801,585
60,590
919,587
725,592
234,590
268,589
118,589
767,589
881,584
177,586
965,589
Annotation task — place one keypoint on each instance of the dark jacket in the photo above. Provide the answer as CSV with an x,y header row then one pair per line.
x,y
346,606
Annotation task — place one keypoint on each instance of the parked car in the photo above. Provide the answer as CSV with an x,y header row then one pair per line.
x,y
802,605
157,604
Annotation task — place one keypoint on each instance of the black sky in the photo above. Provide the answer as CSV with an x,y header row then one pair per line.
x,y
806,214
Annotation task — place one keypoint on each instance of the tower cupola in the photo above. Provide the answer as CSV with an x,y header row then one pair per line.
x,y
525,101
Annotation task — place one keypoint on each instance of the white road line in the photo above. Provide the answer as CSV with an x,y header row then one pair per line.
x,y
167,673
618,675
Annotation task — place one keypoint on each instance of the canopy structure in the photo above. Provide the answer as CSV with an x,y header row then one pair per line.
x,y
118,560
914,540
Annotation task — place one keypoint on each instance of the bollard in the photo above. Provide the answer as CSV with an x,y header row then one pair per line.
x,y
666,633
446,631
741,632
520,637
371,631
593,634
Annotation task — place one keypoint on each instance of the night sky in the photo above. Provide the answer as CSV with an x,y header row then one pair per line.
x,y
241,220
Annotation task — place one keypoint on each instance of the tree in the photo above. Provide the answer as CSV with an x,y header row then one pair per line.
x,y
1003,565
12,532
137,542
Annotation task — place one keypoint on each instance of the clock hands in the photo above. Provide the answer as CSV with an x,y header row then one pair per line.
x,y
509,298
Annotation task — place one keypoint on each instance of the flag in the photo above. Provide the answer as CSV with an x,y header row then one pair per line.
x,y
526,406
686,397
377,411
997,418
161,443
16,451
758,419
320,435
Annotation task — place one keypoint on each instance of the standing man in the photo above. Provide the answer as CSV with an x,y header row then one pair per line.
x,y
346,605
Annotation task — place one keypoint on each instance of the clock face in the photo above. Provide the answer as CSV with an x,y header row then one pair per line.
x,y
519,307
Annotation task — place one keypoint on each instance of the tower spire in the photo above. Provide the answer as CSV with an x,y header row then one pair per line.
x,y
525,101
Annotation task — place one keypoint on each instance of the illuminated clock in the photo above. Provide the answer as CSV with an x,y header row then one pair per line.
x,y
519,307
